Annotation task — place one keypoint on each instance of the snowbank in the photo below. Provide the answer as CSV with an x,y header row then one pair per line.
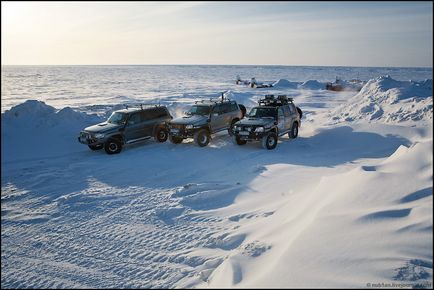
x,y
34,129
283,83
388,100
312,85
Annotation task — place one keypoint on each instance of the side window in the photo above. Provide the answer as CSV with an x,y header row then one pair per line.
x,y
225,108
234,107
280,113
292,108
134,119
161,112
147,115
286,111
216,109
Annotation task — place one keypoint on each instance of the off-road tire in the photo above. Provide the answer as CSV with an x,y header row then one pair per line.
x,y
243,110
231,127
112,146
96,147
269,141
161,134
202,137
175,140
294,131
300,112
238,141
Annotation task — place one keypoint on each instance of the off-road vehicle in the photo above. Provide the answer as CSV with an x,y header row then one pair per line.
x,y
204,118
127,126
273,118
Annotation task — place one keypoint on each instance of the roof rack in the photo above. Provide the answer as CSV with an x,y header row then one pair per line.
x,y
221,99
270,100
143,106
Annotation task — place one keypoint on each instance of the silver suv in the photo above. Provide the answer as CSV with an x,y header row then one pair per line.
x,y
127,126
205,118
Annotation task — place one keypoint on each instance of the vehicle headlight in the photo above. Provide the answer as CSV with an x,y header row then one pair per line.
x,y
189,127
259,129
99,136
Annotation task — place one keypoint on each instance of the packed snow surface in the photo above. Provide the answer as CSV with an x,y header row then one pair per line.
x,y
346,204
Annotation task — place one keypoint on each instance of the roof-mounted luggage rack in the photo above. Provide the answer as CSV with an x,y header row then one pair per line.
x,y
270,100
221,99
142,106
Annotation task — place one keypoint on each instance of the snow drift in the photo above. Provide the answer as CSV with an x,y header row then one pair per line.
x,y
340,206
283,83
388,100
312,85
34,129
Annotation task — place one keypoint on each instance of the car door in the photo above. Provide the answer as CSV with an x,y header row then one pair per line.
x,y
288,117
281,124
293,113
217,118
226,113
149,120
133,129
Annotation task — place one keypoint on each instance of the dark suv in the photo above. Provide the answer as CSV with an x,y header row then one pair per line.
x,y
127,126
205,118
272,118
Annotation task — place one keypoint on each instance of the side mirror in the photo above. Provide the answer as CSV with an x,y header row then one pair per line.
x,y
208,120
275,123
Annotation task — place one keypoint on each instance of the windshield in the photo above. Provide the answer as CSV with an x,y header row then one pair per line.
x,y
199,110
117,118
259,112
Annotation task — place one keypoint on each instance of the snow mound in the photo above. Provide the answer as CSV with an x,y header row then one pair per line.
x,y
387,100
283,83
243,98
312,85
33,113
34,124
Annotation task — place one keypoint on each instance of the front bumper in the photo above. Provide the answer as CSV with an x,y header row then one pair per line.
x,y
89,139
249,136
181,131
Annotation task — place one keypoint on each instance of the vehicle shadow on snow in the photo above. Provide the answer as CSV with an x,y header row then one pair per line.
x,y
219,171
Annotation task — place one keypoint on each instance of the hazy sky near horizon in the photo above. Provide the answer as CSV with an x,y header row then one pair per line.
x,y
263,33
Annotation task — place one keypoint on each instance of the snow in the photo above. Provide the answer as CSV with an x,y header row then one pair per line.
x,y
284,83
347,203
313,85
389,100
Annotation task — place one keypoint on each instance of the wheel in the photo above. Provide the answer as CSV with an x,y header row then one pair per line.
x,y
96,147
112,146
202,137
161,134
294,131
269,141
175,140
243,110
300,112
231,128
238,141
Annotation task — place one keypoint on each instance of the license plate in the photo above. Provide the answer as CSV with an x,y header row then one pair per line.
x,y
174,131
244,133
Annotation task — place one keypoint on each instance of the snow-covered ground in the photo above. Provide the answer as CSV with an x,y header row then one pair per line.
x,y
346,204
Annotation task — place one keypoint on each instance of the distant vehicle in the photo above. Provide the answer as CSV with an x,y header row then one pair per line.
x,y
252,83
343,85
204,118
127,126
273,118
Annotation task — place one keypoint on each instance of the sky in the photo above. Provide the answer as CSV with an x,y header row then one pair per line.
x,y
390,34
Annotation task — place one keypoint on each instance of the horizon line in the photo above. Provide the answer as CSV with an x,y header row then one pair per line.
x,y
288,65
